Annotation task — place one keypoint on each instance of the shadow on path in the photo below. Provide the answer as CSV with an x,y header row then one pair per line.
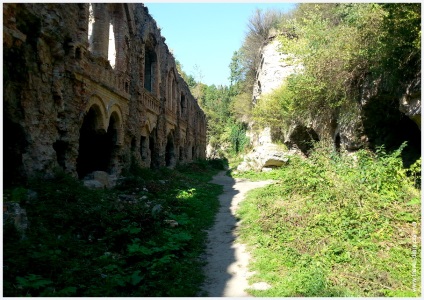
x,y
226,269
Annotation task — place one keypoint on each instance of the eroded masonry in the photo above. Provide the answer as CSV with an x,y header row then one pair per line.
x,y
91,87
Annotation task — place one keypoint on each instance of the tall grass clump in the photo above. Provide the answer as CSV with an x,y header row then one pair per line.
x,y
337,225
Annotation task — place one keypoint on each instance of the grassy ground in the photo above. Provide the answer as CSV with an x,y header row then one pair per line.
x,y
336,226
142,238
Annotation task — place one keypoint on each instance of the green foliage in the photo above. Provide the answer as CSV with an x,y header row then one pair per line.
x,y
335,226
275,109
341,49
142,238
402,39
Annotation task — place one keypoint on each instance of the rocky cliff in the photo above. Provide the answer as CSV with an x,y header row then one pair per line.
x,y
378,118
92,87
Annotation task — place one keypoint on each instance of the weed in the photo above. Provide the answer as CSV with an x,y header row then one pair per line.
x,y
335,226
142,238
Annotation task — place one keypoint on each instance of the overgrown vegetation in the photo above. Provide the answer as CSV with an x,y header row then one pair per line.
x,y
142,238
336,226
342,49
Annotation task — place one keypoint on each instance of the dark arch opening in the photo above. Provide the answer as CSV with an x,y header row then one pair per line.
x,y
303,138
391,129
14,143
181,156
143,148
150,59
183,105
133,144
170,151
96,146
337,142
153,154
61,147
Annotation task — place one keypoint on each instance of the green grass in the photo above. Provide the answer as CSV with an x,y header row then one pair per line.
x,y
335,226
83,242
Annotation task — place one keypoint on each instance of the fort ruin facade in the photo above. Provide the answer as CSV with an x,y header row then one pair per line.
x,y
91,87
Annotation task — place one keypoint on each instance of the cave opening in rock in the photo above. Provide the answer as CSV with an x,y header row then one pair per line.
x,y
303,138
391,128
337,142
95,145
409,131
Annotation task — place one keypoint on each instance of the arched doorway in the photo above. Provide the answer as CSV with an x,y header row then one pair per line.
x,y
153,153
97,147
170,151
14,144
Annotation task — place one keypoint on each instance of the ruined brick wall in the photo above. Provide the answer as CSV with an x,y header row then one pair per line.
x,y
68,104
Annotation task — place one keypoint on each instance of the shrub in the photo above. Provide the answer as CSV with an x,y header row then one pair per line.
x,y
347,218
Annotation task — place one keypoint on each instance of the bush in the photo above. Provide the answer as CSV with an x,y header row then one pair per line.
x,y
349,218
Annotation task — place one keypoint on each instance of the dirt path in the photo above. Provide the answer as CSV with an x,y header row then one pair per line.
x,y
226,269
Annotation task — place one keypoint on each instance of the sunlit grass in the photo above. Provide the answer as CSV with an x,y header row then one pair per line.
x,y
335,226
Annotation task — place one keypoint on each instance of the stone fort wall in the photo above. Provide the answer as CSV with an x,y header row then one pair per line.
x,y
91,87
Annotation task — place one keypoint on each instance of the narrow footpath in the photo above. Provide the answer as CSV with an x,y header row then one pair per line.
x,y
227,259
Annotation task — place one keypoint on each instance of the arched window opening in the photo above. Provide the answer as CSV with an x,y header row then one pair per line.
x,y
120,38
90,27
98,29
111,47
149,61
174,97
170,88
183,105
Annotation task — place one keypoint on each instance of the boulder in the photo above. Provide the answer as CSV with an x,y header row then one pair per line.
x,y
100,180
15,214
93,184
410,102
265,156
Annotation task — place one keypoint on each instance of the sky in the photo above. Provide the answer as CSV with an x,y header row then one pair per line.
x,y
204,36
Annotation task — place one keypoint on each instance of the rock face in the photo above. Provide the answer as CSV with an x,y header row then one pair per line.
x,y
92,87
373,121
273,68
410,102
272,71
265,155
